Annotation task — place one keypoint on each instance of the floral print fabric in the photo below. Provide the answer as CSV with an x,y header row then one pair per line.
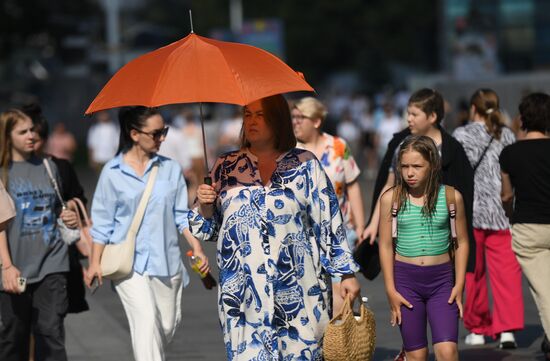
x,y
277,246
341,168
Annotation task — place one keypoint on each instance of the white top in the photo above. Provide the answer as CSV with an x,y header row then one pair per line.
x,y
103,141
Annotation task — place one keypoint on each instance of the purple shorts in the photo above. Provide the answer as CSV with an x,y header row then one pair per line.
x,y
428,289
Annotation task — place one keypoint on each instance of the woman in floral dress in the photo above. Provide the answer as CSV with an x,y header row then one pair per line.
x,y
280,237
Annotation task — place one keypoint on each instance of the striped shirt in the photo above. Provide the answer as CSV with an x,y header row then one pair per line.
x,y
419,235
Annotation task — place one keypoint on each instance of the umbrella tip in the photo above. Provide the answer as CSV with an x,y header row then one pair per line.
x,y
191,20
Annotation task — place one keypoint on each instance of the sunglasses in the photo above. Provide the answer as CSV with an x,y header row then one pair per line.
x,y
156,134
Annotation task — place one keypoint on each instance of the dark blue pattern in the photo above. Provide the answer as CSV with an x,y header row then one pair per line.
x,y
276,247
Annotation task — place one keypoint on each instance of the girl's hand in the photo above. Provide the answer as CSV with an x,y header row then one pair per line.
x,y
350,285
359,233
9,279
369,233
94,271
69,218
205,266
456,296
396,300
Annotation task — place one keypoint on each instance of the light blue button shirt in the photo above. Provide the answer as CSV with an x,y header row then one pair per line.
x,y
116,199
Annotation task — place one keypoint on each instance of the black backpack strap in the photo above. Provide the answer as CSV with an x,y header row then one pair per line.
x,y
451,206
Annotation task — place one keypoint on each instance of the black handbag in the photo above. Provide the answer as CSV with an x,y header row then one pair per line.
x,y
366,255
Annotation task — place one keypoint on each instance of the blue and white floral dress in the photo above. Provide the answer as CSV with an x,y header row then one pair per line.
x,y
278,245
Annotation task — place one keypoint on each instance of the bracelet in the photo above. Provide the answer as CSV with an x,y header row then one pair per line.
x,y
7,268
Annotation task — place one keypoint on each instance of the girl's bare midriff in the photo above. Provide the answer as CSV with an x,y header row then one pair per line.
x,y
424,260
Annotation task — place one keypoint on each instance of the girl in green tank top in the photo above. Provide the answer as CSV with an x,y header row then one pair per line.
x,y
419,279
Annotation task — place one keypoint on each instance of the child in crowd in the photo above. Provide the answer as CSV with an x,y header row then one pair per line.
x,y
423,274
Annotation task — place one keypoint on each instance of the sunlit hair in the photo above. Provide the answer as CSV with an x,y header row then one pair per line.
x,y
277,118
8,120
486,105
428,150
429,101
312,108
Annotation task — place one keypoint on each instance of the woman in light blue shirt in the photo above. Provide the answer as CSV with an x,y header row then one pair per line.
x,y
151,294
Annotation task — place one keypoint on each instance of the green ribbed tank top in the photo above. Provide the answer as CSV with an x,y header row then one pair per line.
x,y
418,235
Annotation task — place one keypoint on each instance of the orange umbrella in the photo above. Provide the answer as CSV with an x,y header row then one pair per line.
x,y
198,69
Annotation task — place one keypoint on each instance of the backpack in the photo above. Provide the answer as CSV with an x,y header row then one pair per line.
x,y
451,206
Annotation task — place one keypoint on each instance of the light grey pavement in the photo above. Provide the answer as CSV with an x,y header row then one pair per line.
x,y
102,333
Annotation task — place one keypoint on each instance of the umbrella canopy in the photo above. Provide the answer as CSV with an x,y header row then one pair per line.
x,y
198,69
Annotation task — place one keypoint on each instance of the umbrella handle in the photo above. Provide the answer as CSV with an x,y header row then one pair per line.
x,y
208,180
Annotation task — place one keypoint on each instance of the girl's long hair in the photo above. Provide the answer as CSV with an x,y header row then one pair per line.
x,y
8,120
486,104
428,150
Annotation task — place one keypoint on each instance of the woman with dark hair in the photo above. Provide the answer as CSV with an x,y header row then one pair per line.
x,y
525,168
414,252
151,293
32,251
280,237
483,139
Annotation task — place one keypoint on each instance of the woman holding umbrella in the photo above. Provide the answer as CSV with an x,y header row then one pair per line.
x,y
280,237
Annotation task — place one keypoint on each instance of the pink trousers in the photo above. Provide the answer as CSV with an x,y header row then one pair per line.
x,y
494,254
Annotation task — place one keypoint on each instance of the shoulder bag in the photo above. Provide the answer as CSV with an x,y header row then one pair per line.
x,y
68,235
117,260
84,245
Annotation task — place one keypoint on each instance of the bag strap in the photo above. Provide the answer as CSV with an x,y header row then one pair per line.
x,y
53,181
482,155
451,206
140,212
81,209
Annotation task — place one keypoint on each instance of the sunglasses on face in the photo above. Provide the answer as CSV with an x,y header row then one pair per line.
x,y
155,134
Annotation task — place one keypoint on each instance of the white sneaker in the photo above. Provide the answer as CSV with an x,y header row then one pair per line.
x,y
474,339
507,340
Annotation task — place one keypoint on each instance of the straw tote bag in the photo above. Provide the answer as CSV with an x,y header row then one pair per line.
x,y
117,260
348,338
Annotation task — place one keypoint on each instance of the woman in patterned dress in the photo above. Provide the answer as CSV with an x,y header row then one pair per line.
x,y
483,139
280,236
336,157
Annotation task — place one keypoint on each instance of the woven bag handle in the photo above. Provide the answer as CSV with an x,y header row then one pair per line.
x,y
346,307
